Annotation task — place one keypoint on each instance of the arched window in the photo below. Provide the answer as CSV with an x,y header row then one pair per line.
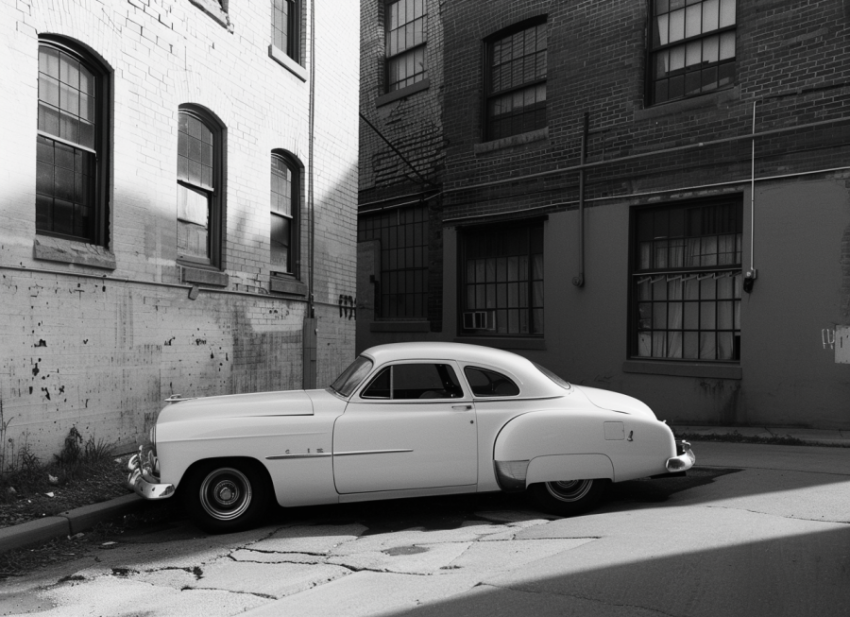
x,y
200,186
285,192
72,143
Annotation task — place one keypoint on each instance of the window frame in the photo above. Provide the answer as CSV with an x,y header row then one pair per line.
x,y
102,73
487,75
423,75
293,34
296,168
652,51
736,269
529,227
217,200
389,279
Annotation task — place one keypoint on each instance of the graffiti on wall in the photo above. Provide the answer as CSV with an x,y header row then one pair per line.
x,y
347,307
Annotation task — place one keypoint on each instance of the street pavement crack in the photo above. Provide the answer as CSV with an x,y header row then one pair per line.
x,y
790,518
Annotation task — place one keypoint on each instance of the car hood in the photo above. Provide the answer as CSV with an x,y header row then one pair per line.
x,y
260,404
615,401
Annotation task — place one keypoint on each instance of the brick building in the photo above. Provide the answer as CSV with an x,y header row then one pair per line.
x,y
177,207
650,197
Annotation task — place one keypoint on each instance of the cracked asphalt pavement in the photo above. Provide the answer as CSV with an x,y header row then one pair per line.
x,y
753,530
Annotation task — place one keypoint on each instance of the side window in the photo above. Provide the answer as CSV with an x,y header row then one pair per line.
x,y
485,382
415,381
380,386
72,144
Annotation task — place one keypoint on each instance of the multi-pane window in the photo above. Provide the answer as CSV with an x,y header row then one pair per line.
x,y
407,22
403,280
687,282
199,190
692,48
71,148
285,27
516,83
502,280
284,212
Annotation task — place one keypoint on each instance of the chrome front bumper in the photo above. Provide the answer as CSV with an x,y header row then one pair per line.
x,y
142,478
683,460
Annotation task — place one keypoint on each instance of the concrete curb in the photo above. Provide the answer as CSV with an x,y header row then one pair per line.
x,y
832,437
66,523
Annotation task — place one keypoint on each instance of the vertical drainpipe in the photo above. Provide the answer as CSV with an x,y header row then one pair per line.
x,y
310,329
752,274
578,281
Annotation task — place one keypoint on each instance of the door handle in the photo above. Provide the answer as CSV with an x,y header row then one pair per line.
x,y
462,407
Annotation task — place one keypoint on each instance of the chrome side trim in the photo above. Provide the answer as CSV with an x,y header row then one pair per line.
x,y
280,457
359,452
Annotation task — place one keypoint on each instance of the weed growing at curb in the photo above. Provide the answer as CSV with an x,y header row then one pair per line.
x,y
775,440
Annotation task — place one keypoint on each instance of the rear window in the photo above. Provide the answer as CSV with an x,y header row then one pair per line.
x,y
485,382
558,380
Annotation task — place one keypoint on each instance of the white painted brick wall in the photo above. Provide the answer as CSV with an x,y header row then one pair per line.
x,y
102,354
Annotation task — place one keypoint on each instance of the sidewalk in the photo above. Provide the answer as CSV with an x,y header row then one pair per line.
x,y
80,519
830,437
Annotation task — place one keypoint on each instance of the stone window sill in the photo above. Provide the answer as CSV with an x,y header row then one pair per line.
x,y
396,95
47,248
286,285
204,276
715,99
684,369
214,10
400,326
281,57
512,141
503,342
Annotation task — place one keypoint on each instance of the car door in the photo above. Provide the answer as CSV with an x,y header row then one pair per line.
x,y
412,426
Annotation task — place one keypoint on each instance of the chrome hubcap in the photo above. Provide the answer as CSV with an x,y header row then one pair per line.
x,y
225,493
569,490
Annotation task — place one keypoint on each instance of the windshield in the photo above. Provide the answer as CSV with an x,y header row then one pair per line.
x,y
561,382
351,377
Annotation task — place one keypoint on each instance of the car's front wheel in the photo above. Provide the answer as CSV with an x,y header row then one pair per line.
x,y
567,497
221,496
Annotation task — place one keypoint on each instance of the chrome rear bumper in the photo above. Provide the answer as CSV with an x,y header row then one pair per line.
x,y
142,478
683,460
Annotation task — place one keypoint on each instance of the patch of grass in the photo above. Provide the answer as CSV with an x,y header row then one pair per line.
x,y
78,460
736,437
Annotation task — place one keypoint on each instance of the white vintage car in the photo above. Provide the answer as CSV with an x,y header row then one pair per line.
x,y
404,420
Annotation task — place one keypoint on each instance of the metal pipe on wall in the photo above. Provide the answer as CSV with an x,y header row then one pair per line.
x,y
578,281
752,274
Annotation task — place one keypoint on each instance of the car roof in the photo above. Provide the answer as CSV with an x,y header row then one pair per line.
x,y
533,382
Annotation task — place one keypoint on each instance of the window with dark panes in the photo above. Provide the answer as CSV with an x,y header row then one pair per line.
x,y
502,280
71,162
415,381
516,82
199,187
285,189
403,279
407,22
285,27
692,48
687,282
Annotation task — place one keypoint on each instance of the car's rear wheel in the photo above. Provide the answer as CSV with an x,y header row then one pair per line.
x,y
567,497
221,496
